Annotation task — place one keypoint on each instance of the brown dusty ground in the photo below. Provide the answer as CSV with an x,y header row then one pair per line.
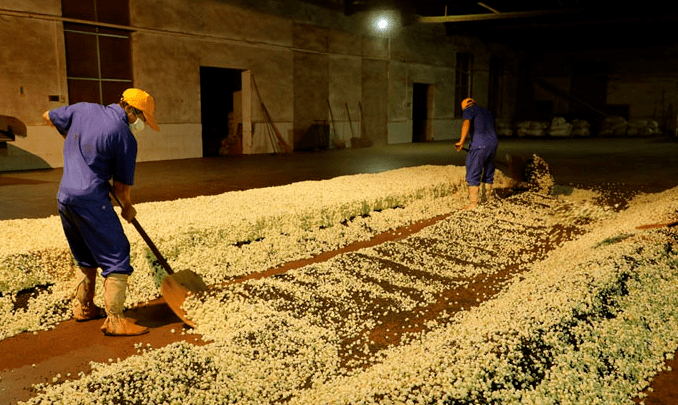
x,y
69,348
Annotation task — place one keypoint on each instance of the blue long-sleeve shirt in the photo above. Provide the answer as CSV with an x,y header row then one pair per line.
x,y
482,133
98,146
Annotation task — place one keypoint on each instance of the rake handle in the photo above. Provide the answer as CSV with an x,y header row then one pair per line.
x,y
659,225
149,242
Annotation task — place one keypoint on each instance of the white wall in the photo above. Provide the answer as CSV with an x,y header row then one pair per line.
x,y
174,141
175,37
345,89
40,149
449,129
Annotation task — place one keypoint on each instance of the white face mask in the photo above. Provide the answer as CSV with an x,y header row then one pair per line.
x,y
137,126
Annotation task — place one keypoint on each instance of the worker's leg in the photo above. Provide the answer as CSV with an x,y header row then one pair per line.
x,y
473,197
84,309
106,244
488,174
112,250
474,167
115,288
96,237
487,193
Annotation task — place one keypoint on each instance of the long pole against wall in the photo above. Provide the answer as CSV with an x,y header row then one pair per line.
x,y
334,124
362,120
350,123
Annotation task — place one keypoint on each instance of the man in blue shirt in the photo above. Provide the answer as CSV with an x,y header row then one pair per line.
x,y
99,146
479,125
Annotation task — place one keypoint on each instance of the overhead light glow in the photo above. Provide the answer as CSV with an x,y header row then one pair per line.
x,y
382,23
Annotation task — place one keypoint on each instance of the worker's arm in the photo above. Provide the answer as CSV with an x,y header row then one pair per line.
x,y
122,191
465,127
45,115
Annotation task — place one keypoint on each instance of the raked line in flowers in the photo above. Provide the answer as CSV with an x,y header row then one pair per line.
x,y
587,322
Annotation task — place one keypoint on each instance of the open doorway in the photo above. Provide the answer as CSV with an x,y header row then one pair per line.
x,y
421,111
217,86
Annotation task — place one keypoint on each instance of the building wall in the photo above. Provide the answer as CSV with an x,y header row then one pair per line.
x,y
306,65
648,82
642,81
33,68
345,92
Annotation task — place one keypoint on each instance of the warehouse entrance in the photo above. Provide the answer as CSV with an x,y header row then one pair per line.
x,y
422,107
218,86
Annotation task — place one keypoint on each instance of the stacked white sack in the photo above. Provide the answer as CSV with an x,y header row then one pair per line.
x,y
503,128
614,126
560,127
581,128
643,128
532,128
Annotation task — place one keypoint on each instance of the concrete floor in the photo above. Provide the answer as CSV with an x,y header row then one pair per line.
x,y
645,164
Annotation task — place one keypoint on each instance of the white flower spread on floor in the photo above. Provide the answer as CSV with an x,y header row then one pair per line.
x,y
574,304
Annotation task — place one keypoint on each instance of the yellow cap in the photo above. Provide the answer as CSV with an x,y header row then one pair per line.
x,y
467,102
143,101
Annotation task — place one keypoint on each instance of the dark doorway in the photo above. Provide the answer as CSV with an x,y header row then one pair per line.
x,y
217,86
419,111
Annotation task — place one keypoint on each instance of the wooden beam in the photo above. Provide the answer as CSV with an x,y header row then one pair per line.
x,y
487,7
496,16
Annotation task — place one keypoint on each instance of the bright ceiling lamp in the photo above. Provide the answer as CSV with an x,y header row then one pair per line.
x,y
385,22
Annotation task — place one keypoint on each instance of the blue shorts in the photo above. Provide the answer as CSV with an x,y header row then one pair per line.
x,y
480,166
96,237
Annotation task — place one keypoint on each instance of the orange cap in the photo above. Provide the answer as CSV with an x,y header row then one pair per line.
x,y
467,102
143,101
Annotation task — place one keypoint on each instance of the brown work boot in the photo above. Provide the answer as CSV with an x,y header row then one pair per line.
x,y
473,197
85,310
489,197
116,324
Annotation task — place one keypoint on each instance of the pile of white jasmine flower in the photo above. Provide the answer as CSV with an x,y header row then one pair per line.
x,y
225,236
582,305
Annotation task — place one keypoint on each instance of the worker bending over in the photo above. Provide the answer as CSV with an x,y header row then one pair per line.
x,y
99,146
478,124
